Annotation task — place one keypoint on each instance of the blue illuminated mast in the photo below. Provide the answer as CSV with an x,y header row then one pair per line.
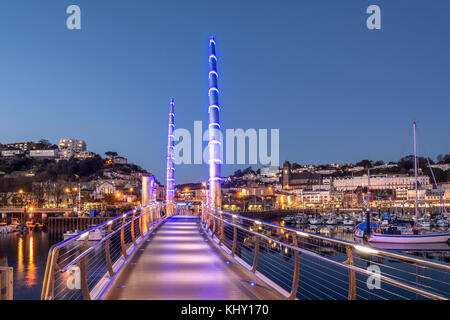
x,y
170,185
214,144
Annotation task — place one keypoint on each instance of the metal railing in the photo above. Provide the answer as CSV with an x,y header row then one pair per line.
x,y
86,265
304,265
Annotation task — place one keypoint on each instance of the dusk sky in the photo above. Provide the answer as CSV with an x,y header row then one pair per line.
x,y
337,91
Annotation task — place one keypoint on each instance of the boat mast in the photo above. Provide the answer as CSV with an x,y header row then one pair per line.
x,y
415,174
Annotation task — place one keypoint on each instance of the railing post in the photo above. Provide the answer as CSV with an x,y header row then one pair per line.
x,y
133,237
233,248
152,213
122,238
256,256
149,213
83,271
214,225
296,275
221,237
351,274
203,214
49,289
107,252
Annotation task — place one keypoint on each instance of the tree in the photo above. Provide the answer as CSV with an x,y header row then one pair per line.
x,y
379,163
111,154
295,165
39,190
365,163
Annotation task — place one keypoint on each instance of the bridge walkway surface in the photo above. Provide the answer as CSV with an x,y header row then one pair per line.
x,y
178,263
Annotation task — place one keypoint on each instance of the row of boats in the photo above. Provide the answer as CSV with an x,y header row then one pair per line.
x,y
350,219
328,219
16,226
392,228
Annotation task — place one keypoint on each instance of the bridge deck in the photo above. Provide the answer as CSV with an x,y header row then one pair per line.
x,y
179,264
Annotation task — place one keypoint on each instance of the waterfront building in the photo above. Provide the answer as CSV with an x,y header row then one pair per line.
x,y
44,154
73,144
302,180
12,153
269,174
120,160
84,155
380,182
442,166
24,146
71,147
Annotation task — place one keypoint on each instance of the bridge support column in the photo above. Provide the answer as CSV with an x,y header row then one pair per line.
x,y
148,190
170,183
215,141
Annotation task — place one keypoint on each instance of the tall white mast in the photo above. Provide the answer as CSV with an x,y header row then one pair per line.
x,y
415,174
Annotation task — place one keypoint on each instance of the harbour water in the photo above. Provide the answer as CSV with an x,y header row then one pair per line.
x,y
27,254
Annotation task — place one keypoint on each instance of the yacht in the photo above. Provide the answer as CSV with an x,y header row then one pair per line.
x,y
415,234
348,221
442,223
316,220
301,219
424,223
289,219
331,220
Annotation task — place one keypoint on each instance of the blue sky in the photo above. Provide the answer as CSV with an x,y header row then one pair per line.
x,y
337,91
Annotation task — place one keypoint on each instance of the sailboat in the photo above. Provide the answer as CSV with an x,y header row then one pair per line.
x,y
413,235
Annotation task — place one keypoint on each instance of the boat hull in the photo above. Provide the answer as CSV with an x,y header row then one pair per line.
x,y
410,238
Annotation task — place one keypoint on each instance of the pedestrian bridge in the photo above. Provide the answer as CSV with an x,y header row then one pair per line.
x,y
148,254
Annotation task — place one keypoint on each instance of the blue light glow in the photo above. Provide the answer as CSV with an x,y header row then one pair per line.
x,y
214,106
215,161
252,284
214,124
212,89
213,72
211,56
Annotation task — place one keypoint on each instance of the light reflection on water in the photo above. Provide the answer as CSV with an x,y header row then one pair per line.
x,y
27,254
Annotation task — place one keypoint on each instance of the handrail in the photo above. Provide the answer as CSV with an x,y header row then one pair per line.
x,y
71,254
343,242
396,279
